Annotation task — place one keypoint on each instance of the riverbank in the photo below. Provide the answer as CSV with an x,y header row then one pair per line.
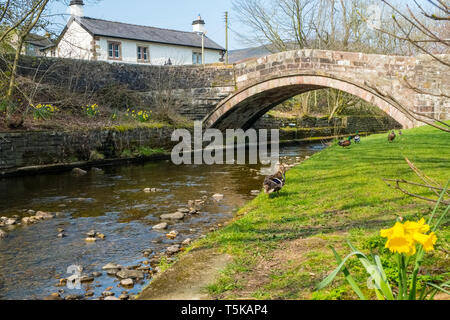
x,y
279,245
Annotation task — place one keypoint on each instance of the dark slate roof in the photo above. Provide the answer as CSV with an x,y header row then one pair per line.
x,y
98,27
38,41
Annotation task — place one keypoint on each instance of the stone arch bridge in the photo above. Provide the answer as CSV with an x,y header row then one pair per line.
x,y
235,96
389,82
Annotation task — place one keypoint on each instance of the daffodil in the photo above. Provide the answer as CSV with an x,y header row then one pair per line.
x,y
398,240
414,227
427,241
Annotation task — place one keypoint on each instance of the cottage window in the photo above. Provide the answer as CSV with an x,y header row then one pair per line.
x,y
196,58
114,51
142,54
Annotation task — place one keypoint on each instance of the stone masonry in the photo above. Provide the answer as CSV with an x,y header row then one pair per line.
x,y
382,80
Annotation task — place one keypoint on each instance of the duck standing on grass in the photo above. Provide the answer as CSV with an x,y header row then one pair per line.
x,y
345,143
275,183
357,138
391,136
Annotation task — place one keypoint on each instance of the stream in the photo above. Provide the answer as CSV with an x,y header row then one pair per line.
x,y
112,202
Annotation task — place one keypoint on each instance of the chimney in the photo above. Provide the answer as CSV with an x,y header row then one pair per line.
x,y
77,8
198,25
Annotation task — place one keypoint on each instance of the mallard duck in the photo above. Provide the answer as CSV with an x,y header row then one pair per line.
x,y
345,143
275,183
391,136
400,132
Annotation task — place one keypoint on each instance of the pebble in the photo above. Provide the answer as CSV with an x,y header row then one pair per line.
x,y
173,249
91,233
127,283
10,221
78,172
89,294
53,296
130,274
107,293
183,210
172,234
124,296
90,239
112,266
44,215
187,242
173,216
74,297
111,298
96,274
217,196
160,226
61,235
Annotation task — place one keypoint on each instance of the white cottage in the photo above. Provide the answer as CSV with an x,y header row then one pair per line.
x,y
101,40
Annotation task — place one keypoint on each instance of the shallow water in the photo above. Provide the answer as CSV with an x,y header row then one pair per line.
x,y
32,258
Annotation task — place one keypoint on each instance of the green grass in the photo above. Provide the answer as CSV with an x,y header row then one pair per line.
x,y
337,194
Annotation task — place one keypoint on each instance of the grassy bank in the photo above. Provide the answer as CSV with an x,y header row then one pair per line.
x,y
280,244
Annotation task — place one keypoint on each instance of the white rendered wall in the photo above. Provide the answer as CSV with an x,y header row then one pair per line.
x,y
159,53
75,44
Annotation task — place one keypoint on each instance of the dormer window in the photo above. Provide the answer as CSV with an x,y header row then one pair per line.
x,y
114,51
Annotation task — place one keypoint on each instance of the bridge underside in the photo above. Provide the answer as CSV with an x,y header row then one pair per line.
x,y
245,107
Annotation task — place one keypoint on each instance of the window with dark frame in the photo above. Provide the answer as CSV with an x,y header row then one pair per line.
x,y
142,54
114,51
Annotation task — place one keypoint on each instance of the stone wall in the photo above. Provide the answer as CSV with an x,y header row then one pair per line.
x,y
310,127
23,149
193,91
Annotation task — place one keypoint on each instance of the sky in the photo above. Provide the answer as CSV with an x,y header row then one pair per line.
x,y
169,14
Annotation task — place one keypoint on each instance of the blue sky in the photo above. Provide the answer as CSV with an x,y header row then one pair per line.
x,y
170,14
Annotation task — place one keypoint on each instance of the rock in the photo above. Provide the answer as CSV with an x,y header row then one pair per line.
x,y
130,274
31,212
3,234
86,278
173,216
127,283
61,235
255,192
107,293
44,215
187,242
193,211
28,220
172,234
160,226
90,239
74,297
10,221
183,210
101,236
173,249
78,172
91,234
112,272
89,294
53,296
124,296
97,170
217,196
110,266
147,190
111,298
96,274
60,230
144,268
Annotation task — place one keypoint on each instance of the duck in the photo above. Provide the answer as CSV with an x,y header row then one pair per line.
x,y
391,136
345,143
400,132
275,183
357,138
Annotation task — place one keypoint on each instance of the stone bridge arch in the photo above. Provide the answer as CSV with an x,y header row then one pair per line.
x,y
262,84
